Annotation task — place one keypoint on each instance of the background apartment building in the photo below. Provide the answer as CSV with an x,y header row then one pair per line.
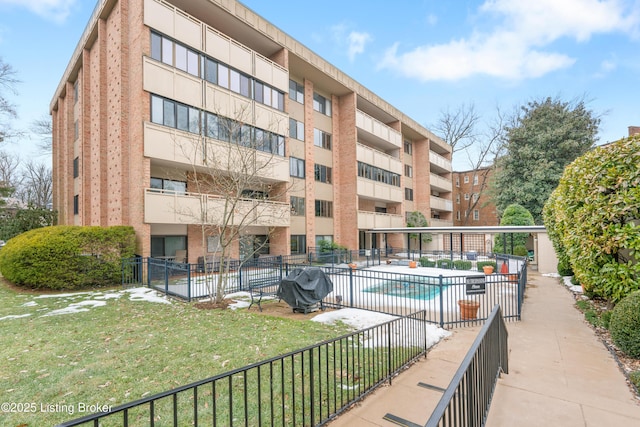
x,y
472,202
155,89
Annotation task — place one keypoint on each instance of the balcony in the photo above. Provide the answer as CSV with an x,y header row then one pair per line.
x,y
440,204
378,159
439,164
367,220
434,222
171,145
374,190
170,207
377,133
440,184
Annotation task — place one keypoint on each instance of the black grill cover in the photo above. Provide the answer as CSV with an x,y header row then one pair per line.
x,y
305,287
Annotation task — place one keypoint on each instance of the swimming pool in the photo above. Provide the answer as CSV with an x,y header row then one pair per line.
x,y
416,287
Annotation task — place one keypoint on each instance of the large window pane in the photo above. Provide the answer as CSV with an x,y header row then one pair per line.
x,y
245,86
157,110
211,71
169,114
194,120
223,76
234,83
192,63
156,47
212,126
167,51
181,57
259,92
182,117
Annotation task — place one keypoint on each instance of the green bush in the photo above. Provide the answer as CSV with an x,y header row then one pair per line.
x,y
444,263
593,218
625,325
481,264
513,215
67,257
461,264
426,262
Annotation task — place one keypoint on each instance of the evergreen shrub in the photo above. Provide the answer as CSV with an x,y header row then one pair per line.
x,y
67,257
625,325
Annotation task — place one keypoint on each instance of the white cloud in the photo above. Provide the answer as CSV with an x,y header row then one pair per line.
x,y
517,47
53,10
357,41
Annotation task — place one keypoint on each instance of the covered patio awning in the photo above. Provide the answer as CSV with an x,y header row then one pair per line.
x,y
464,229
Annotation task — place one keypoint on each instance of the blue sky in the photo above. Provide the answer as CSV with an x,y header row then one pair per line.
x,y
422,56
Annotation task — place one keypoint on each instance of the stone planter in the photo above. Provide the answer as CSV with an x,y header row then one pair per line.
x,y
468,309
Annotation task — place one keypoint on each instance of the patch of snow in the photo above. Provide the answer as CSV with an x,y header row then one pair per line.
x,y
401,332
550,274
76,307
573,288
29,304
241,294
239,304
107,296
15,316
146,294
64,295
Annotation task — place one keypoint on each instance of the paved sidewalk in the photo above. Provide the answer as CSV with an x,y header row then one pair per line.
x,y
560,373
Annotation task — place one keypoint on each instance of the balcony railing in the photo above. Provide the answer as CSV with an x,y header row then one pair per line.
x,y
441,204
377,158
171,207
437,160
375,190
378,130
440,184
378,220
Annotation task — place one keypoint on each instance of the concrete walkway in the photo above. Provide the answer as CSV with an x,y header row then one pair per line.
x,y
560,374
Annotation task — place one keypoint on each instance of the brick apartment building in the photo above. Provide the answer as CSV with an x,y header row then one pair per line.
x,y
143,98
471,202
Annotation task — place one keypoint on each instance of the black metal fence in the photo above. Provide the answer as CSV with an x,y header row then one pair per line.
x,y
467,399
306,387
404,291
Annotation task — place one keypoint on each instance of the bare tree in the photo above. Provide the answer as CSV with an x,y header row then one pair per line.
x,y
37,183
489,147
232,179
9,171
8,82
458,127
43,129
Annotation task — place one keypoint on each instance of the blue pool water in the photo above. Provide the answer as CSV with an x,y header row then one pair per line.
x,y
416,287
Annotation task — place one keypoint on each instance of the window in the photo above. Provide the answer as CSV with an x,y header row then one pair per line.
x,y
296,129
457,198
408,171
296,167
166,246
408,147
322,173
76,167
328,238
76,89
321,139
466,179
376,174
179,116
475,180
76,130
296,91
76,204
297,206
168,185
298,244
475,197
476,215
321,104
324,208
457,181
408,194
254,194
466,196
458,215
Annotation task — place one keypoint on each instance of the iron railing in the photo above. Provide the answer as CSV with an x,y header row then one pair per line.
x,y
305,387
419,289
467,400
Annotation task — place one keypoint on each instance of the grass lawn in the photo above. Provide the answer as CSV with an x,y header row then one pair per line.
x,y
124,350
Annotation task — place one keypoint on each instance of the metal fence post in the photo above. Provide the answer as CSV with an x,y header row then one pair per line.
x,y
441,302
350,287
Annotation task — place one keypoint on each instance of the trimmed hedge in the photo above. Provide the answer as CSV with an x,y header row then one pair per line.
x,y
625,325
444,263
67,257
593,219
514,214
461,264
426,262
